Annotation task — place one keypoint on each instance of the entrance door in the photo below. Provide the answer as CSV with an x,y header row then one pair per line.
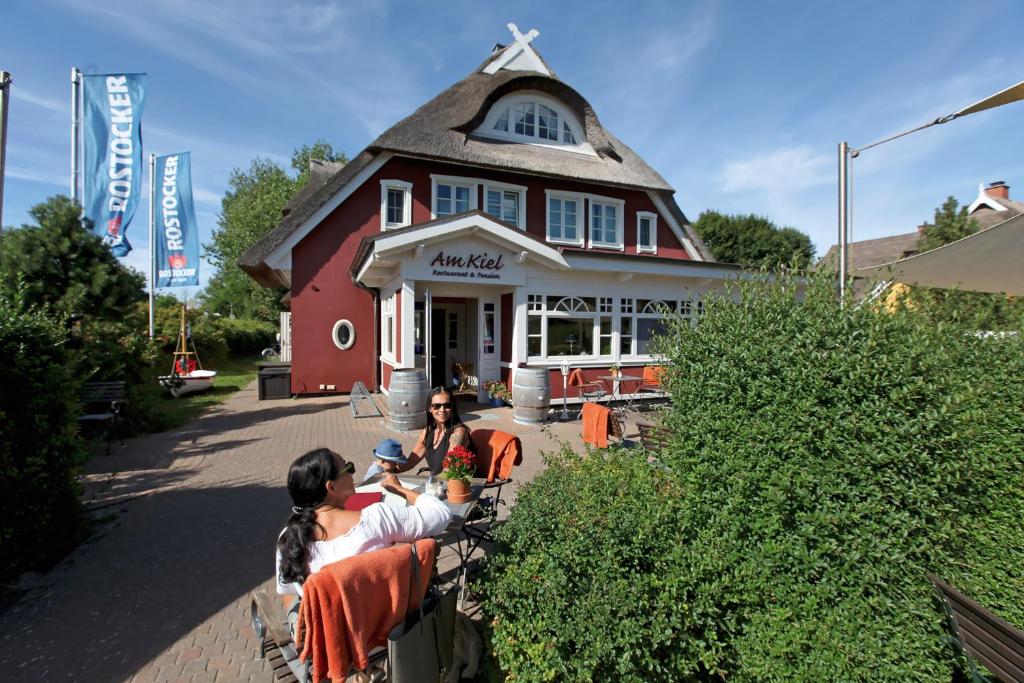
x,y
439,372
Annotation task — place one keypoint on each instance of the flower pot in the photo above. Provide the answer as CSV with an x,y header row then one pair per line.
x,y
458,491
496,402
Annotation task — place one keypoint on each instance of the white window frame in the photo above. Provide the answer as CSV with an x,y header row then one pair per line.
x,y
472,183
405,187
387,327
581,216
545,313
651,248
620,205
508,103
502,187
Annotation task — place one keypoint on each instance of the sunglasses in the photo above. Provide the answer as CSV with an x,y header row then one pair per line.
x,y
440,406
349,467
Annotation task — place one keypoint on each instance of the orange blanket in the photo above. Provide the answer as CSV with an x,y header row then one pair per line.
x,y
349,607
595,424
497,452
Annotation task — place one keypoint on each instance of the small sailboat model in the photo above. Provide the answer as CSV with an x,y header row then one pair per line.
x,y
187,373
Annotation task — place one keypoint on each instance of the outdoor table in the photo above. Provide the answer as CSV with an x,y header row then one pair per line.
x,y
613,383
460,513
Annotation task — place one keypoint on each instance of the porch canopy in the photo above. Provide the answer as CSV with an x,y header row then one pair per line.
x,y
990,260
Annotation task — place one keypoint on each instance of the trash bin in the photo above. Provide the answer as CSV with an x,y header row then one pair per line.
x,y
274,380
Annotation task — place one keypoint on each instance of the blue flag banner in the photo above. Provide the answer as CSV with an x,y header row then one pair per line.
x,y
112,134
176,232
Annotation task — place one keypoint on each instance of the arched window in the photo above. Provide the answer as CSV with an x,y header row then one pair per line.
x,y
573,304
535,118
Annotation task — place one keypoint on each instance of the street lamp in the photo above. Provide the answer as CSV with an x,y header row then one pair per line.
x,y
564,367
1012,94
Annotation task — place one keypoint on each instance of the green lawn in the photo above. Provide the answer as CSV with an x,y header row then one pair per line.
x,y
160,412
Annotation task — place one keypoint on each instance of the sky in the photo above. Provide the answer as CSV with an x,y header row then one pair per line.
x,y
739,105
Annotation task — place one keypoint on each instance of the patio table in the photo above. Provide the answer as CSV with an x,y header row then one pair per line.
x,y
616,390
460,513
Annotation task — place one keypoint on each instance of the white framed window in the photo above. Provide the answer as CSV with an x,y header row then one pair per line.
x,y
559,325
395,204
537,118
646,232
564,217
343,335
452,194
489,333
387,327
606,222
506,203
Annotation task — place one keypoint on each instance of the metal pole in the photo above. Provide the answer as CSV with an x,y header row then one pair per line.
x,y
844,227
76,81
5,82
152,242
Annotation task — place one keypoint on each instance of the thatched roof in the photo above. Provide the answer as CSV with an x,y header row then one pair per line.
x,y
442,129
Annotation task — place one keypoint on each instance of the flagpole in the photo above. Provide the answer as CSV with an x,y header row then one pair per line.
x,y
152,242
5,82
76,81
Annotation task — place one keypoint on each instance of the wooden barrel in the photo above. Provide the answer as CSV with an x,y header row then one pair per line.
x,y
407,399
531,395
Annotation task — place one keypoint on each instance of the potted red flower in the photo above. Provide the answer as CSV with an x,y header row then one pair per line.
x,y
459,467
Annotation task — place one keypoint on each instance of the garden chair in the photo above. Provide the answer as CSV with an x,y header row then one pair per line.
x,y
353,644
590,391
652,380
498,453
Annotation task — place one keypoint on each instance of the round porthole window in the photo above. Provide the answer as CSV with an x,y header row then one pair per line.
x,y
344,335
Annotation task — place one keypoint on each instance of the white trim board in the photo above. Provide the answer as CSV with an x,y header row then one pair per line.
x,y
281,257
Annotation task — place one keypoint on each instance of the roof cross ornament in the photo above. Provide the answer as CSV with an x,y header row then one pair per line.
x,y
522,40
518,55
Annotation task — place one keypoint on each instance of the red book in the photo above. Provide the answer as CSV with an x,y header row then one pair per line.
x,y
358,501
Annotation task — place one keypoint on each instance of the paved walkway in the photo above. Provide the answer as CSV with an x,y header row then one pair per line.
x,y
189,520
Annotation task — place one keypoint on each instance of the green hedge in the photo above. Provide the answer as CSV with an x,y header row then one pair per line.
x,y
40,452
247,337
827,459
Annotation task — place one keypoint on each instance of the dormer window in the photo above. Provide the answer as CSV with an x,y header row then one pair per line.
x,y
535,118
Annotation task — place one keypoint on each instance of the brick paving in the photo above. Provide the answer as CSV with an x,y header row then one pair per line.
x,y
187,524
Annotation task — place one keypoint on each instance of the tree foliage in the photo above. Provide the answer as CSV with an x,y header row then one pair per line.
x,y
822,460
40,452
64,266
754,241
250,209
951,224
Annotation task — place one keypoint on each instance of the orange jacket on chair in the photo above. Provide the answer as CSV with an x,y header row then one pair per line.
x,y
349,607
497,453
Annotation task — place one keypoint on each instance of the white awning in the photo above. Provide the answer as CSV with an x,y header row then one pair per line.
x,y
990,260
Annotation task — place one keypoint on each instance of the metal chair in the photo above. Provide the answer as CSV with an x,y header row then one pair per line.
x,y
590,391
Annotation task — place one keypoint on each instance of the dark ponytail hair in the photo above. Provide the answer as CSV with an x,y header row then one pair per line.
x,y
307,482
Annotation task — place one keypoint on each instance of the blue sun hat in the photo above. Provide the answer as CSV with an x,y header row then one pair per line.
x,y
390,450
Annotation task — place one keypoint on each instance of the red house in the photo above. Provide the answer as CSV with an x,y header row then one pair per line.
x,y
499,224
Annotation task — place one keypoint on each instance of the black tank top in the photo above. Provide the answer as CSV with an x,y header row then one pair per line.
x,y
434,455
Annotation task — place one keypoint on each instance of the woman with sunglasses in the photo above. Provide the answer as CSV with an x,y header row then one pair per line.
x,y
321,531
444,431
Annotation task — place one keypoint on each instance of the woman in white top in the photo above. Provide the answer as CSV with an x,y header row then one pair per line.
x,y
320,531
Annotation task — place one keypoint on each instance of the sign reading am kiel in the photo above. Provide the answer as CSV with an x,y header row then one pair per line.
x,y
471,266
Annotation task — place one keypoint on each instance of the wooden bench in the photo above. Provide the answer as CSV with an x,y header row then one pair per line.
x,y
275,642
653,437
982,636
102,403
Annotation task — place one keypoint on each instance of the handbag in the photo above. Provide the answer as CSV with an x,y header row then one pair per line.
x,y
421,648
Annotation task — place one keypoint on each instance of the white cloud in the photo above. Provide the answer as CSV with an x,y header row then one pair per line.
x,y
782,171
36,176
51,105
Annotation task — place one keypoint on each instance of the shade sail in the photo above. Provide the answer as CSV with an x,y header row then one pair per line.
x,y
990,260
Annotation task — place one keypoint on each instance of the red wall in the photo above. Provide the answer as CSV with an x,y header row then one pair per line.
x,y
323,292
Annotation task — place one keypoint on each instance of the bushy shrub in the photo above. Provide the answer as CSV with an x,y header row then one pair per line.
x,y
40,451
583,588
247,337
827,459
